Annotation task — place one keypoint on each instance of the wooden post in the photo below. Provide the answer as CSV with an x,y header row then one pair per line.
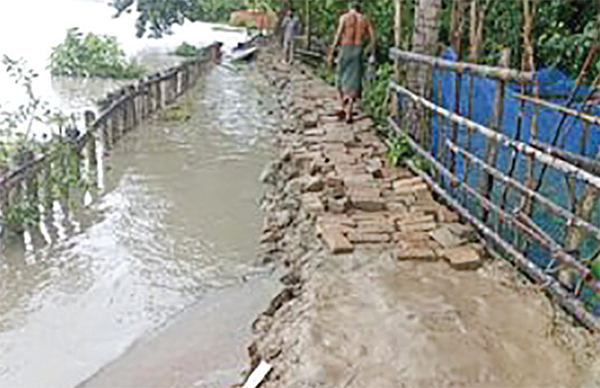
x,y
47,188
456,26
440,129
491,153
159,92
457,90
527,63
308,32
425,39
588,201
91,156
398,42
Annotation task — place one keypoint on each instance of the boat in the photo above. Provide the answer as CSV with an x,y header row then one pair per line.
x,y
228,29
243,54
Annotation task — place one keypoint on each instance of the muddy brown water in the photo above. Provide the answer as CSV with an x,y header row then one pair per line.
x,y
176,230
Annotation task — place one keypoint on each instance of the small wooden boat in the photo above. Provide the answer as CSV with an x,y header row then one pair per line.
x,y
228,29
244,54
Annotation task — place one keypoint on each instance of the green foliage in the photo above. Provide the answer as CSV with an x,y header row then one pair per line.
x,y
563,33
399,149
19,147
92,56
187,50
214,10
376,93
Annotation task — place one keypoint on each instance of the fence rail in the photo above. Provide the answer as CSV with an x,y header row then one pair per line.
x,y
118,113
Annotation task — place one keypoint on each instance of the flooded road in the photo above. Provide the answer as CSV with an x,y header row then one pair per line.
x,y
178,223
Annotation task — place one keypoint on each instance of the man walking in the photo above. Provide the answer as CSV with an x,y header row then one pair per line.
x,y
351,30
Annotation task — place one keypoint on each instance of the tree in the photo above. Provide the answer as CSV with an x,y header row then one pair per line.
x,y
156,15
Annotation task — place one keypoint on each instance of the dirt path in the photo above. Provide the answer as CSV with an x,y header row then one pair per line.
x,y
386,288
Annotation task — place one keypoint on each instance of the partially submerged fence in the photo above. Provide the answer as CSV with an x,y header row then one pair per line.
x,y
66,167
531,197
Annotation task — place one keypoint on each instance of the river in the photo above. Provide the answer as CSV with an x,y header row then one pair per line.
x,y
170,243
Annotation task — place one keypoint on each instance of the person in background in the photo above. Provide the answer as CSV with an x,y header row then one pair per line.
x,y
291,28
284,22
352,28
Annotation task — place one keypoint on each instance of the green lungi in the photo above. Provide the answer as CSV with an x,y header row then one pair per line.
x,y
350,70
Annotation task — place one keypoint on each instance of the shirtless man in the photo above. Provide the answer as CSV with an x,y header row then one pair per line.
x,y
351,30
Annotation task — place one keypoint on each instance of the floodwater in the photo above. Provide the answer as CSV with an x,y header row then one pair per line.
x,y
172,237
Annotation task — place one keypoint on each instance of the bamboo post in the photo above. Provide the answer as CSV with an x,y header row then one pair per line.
x,y
106,133
491,153
47,187
160,95
91,155
587,202
308,32
457,88
456,25
398,42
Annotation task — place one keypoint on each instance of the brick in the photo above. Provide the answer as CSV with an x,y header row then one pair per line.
x,y
332,180
314,132
339,135
359,237
366,199
310,121
312,203
335,240
334,192
333,147
300,159
414,189
345,168
429,209
414,218
421,227
446,215
314,184
463,231
358,180
336,219
341,158
446,238
400,183
412,237
462,258
397,207
382,226
402,173
416,254
338,205
370,217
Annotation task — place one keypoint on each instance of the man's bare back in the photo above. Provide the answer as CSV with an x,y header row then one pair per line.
x,y
353,28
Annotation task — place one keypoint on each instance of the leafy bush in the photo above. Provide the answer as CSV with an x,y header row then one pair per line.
x,y
92,56
187,50
375,93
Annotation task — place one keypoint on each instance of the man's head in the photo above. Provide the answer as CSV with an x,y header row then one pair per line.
x,y
355,5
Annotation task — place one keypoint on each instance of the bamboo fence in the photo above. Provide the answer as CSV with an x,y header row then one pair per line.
x,y
118,113
542,231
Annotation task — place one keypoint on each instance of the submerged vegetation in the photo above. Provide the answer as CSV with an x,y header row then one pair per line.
x,y
188,50
92,56
19,148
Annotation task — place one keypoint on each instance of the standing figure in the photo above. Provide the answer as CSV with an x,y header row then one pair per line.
x,y
291,26
351,30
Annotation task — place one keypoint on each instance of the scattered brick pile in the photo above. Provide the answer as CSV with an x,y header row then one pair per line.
x,y
359,201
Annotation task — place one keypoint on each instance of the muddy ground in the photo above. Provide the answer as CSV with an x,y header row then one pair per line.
x,y
378,316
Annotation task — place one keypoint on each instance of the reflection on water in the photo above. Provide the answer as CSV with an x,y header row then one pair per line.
x,y
30,28
178,219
